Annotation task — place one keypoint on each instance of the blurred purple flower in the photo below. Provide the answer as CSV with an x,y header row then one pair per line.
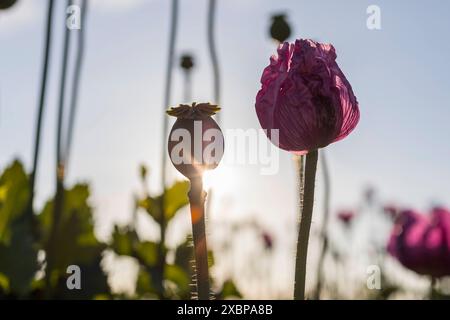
x,y
422,243
267,240
306,96
346,217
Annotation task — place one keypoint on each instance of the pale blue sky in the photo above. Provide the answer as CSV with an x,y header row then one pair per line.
x,y
399,74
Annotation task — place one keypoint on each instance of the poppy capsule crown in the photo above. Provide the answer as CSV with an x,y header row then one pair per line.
x,y
196,142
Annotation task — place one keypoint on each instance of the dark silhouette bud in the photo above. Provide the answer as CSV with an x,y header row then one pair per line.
x,y
280,30
196,142
143,172
187,62
6,4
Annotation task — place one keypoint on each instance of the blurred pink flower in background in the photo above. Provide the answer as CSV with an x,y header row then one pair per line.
x,y
267,240
306,96
422,243
346,217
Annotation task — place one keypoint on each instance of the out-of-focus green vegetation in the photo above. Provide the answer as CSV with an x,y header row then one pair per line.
x,y
152,257
25,244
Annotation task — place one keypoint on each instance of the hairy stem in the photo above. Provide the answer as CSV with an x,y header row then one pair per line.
x,y
305,225
300,166
197,201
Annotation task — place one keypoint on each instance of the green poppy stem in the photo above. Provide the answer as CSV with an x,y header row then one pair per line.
x,y
300,166
197,201
168,85
41,108
213,53
166,103
58,203
305,225
324,231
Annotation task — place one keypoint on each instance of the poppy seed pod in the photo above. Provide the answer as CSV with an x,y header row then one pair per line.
x,y
280,30
196,142
187,62
6,4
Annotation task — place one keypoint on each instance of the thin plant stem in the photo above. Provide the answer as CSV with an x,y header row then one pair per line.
x,y
305,225
59,195
197,203
161,249
212,5
324,233
62,96
168,87
213,53
41,108
166,103
76,82
300,166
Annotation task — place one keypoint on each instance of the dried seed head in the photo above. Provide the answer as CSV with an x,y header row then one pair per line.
x,y
195,111
196,142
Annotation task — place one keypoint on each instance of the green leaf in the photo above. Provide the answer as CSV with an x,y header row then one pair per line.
x,y
179,277
147,203
144,284
184,255
229,290
211,260
175,198
126,242
14,197
18,259
152,206
123,241
18,252
75,240
147,253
